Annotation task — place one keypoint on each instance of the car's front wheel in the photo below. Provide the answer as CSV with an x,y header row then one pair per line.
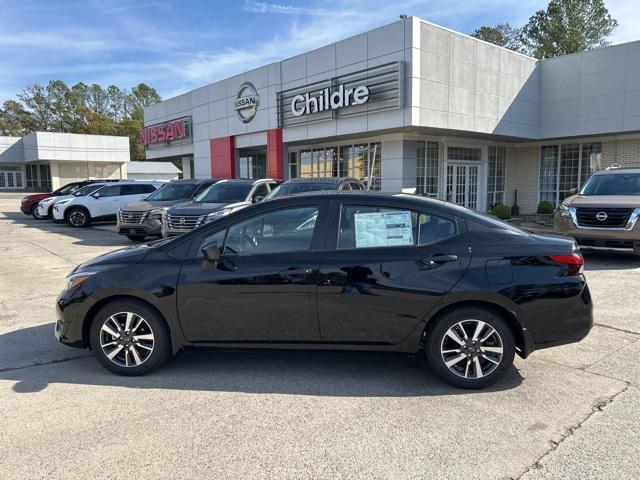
x,y
78,217
130,338
470,347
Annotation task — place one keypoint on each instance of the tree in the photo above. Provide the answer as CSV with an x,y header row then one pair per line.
x,y
568,26
80,109
502,34
15,121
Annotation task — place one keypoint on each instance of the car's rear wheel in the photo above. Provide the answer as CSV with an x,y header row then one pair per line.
x,y
136,238
470,347
130,338
78,217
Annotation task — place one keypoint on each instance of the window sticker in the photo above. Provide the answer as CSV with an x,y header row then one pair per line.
x,y
383,229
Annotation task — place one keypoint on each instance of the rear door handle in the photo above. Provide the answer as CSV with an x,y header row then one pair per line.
x,y
438,259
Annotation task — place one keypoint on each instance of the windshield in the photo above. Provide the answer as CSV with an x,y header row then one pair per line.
x,y
88,189
224,192
300,187
612,184
173,191
68,189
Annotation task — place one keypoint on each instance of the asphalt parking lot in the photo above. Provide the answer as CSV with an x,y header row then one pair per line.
x,y
568,412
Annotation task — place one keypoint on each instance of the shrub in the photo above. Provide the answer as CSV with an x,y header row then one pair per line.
x,y
501,211
545,208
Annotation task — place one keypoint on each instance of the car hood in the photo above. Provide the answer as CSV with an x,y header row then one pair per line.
x,y
38,196
122,257
197,208
622,201
145,205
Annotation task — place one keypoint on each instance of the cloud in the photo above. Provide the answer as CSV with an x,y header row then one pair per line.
x,y
265,7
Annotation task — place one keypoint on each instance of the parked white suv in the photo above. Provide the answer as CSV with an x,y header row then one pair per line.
x,y
44,209
103,204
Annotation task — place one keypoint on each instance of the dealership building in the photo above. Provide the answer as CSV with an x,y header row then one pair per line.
x,y
413,106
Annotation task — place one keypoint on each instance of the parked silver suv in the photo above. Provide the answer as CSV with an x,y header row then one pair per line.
x,y
604,214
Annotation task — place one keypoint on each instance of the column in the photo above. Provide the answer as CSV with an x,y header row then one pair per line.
x,y
223,164
275,154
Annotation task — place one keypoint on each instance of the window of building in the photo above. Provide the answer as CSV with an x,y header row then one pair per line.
x,y
427,168
566,167
464,154
361,161
293,164
496,176
32,175
252,164
45,177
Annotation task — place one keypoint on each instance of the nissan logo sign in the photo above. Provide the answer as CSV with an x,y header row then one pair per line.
x,y
602,216
329,100
247,101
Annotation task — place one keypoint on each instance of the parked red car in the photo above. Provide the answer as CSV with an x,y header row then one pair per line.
x,y
30,202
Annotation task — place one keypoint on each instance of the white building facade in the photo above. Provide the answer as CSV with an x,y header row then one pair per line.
x,y
45,161
413,105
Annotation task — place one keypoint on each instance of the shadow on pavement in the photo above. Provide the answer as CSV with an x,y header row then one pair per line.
x,y
594,260
95,237
292,372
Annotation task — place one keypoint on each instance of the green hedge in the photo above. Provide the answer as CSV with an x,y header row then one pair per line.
x,y
501,211
545,207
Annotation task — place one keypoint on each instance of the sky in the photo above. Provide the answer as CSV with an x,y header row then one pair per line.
x,y
176,46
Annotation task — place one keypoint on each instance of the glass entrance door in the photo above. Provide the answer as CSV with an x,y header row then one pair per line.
x,y
462,185
253,164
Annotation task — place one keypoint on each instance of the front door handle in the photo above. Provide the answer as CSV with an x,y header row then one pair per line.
x,y
438,259
295,272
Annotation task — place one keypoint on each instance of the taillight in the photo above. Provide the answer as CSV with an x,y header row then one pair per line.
x,y
573,264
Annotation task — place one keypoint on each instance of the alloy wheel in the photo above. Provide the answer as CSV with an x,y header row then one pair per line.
x,y
471,349
127,339
77,218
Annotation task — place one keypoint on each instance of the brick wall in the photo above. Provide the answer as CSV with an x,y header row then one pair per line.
x,y
624,152
522,173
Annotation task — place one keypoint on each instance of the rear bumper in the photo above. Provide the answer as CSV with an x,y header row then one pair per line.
x,y
564,316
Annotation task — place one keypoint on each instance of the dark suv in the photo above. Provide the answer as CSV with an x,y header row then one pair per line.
x,y
302,185
143,218
220,199
604,214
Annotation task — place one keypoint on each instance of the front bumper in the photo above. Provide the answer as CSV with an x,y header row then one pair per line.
x,y
602,238
58,213
68,326
42,210
25,207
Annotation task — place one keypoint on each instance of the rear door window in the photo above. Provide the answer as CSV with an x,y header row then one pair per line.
x,y
366,226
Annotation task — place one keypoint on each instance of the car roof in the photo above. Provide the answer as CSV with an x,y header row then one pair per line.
x,y
320,180
249,181
617,171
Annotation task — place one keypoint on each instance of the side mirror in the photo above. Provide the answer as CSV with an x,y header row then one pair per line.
x,y
573,191
258,198
211,252
96,195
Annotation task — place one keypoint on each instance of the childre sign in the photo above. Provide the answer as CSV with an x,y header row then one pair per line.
x,y
328,99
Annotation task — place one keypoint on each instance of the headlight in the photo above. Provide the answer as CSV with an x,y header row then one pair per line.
x,y
215,215
563,210
75,280
156,213
24,199
63,202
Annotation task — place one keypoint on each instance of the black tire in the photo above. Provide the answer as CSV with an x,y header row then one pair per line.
x,y
154,324
78,217
440,346
136,238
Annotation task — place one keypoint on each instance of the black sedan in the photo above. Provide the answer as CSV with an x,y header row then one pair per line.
x,y
357,271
